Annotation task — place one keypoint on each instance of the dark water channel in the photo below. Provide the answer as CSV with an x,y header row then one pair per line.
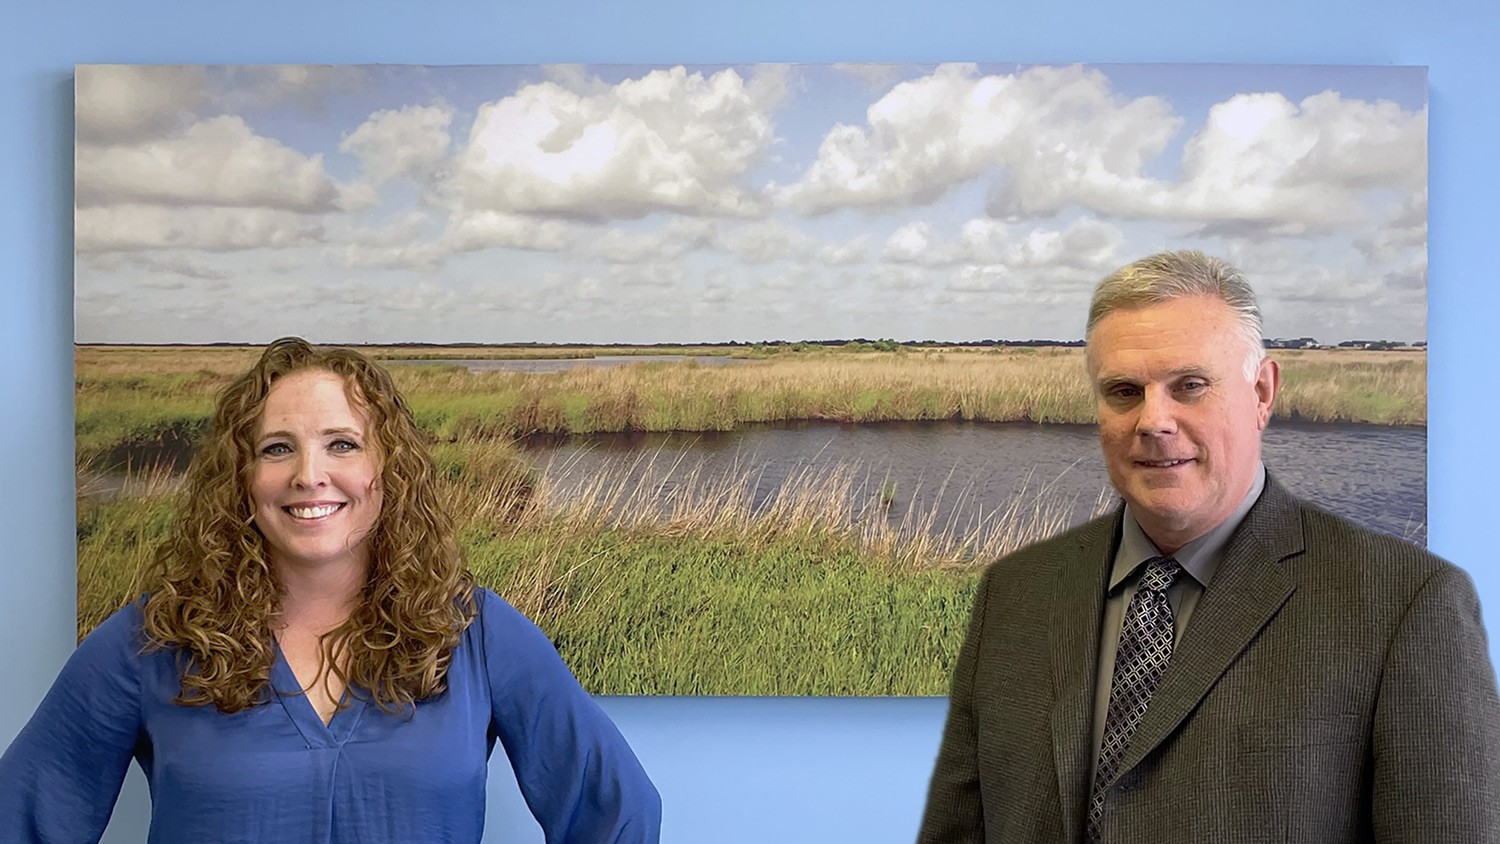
x,y
965,471
1375,475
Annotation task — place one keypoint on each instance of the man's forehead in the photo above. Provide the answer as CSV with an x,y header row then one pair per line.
x,y
1144,371
1163,340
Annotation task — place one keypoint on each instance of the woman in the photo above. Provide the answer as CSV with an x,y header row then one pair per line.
x,y
311,661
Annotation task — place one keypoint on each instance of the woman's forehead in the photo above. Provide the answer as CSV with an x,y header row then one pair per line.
x,y
313,395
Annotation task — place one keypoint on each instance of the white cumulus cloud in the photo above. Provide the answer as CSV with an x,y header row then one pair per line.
x,y
1049,139
1294,168
853,251
408,142
216,162
929,135
913,244
670,140
491,229
1084,243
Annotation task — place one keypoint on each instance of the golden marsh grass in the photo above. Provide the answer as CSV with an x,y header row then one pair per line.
x,y
137,395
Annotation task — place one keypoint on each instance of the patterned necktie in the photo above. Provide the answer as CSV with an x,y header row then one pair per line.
x,y
1145,646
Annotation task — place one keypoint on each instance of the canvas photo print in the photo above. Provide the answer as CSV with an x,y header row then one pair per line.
x,y
737,377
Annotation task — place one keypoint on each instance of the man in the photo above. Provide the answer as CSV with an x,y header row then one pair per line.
x,y
1216,661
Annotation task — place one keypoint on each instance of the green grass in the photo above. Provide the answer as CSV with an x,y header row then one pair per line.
x,y
116,539
697,616
637,613
647,589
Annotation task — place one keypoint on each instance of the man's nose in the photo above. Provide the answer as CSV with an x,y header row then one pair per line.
x,y
1158,413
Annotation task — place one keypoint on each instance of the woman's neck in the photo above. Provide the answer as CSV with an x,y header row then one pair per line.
x,y
320,599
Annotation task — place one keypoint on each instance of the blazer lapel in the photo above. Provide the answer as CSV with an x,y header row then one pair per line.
x,y
1247,591
1077,609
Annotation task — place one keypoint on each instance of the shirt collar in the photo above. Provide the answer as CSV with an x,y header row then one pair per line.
x,y
1199,558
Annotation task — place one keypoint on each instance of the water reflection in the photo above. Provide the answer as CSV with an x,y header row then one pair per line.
x,y
1373,475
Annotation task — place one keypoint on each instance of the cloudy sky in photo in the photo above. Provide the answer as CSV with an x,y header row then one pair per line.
x,y
599,204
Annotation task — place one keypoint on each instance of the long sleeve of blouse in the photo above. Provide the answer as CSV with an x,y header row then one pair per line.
x,y
276,772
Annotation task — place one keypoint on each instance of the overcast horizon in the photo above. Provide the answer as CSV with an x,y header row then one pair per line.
x,y
614,204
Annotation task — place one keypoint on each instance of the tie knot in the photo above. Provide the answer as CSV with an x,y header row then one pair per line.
x,y
1159,574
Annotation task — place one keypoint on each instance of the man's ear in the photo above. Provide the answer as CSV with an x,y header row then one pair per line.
x,y
1267,382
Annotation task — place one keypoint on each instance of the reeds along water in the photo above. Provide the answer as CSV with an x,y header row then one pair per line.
x,y
135,396
650,566
837,501
659,578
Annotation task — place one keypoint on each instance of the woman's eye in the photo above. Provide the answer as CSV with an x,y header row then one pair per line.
x,y
276,450
343,445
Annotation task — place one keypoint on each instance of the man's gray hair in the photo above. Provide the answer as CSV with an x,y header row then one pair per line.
x,y
1166,276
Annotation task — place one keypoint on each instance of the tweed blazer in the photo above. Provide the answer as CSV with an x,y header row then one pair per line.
x,y
1334,685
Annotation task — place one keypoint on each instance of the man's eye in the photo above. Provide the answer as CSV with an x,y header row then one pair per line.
x,y
1193,386
1123,391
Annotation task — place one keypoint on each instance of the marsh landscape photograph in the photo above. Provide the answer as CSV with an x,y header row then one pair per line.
x,y
737,377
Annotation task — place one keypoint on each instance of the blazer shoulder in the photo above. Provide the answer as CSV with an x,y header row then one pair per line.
x,y
1328,533
1369,561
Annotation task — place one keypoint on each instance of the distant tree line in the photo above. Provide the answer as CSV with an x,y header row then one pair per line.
x,y
1373,345
884,344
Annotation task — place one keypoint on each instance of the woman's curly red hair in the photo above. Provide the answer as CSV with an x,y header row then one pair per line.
x,y
212,595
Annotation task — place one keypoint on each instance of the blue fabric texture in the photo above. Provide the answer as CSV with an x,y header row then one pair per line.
x,y
277,773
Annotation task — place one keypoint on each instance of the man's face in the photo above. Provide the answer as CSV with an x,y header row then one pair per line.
x,y
1178,420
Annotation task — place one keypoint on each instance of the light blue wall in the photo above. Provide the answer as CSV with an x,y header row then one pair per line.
x,y
732,770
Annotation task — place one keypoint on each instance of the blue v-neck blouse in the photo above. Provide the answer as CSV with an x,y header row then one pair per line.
x,y
275,772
